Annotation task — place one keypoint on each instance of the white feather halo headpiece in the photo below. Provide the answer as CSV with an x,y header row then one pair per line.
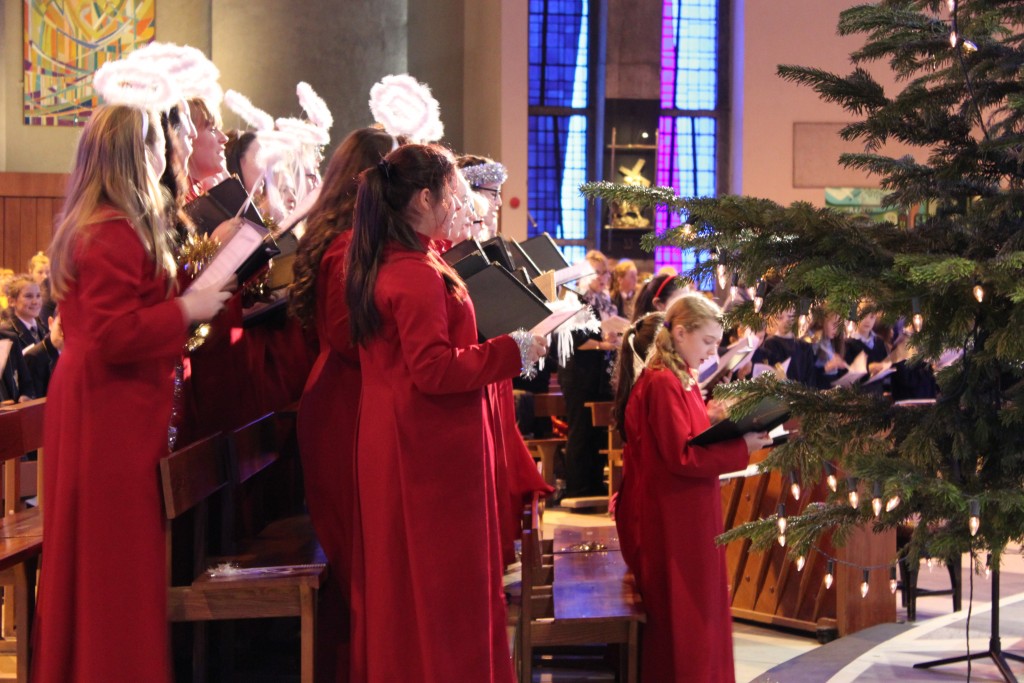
x,y
303,132
135,85
316,109
405,107
194,74
247,111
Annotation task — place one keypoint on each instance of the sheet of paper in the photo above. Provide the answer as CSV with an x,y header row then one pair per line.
x,y
751,471
882,374
615,324
230,257
581,269
554,321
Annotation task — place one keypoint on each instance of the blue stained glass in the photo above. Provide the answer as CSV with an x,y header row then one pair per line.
x,y
557,159
559,53
689,54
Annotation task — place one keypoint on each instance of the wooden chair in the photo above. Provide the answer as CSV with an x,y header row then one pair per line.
x,y
575,599
21,530
601,416
545,450
266,576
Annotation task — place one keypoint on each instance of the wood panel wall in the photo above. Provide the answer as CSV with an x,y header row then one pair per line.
x,y
28,204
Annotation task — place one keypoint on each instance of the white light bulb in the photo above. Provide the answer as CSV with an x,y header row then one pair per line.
x,y
723,280
758,302
892,585
952,38
979,293
833,483
828,581
800,562
918,322
781,524
864,589
782,540
892,504
794,489
974,524
854,499
876,506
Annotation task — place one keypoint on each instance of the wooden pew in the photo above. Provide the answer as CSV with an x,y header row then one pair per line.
x,y
544,450
575,598
21,530
601,416
276,575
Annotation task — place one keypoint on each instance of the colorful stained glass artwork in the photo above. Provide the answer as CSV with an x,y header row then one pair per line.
x,y
65,41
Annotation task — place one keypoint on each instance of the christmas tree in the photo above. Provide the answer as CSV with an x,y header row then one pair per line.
x,y
952,267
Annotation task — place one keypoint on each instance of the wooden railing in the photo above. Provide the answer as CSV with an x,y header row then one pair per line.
x,y
28,204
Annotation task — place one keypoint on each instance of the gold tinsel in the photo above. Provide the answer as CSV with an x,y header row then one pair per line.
x,y
195,253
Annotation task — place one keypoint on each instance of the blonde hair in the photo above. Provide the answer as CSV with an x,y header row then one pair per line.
x,y
13,286
619,271
691,311
38,258
111,169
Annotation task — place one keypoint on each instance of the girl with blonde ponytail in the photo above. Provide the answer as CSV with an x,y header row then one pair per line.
x,y
674,506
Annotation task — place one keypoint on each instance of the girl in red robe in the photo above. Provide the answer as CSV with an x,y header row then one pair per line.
x,y
329,407
675,510
428,604
102,611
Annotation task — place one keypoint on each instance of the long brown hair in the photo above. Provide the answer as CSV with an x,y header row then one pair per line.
x,y
332,213
382,203
111,168
635,346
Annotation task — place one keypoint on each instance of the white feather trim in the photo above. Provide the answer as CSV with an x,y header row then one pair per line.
x,y
314,106
250,113
194,74
305,133
405,107
135,85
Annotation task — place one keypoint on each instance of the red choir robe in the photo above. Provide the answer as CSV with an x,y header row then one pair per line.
x,y
327,419
102,611
675,515
428,602
516,478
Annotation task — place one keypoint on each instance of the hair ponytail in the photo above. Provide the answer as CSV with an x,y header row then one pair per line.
x,y
364,254
633,353
691,311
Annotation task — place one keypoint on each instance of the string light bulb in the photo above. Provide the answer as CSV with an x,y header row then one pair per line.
x,y
829,571
892,579
759,293
800,562
830,478
952,39
780,522
864,584
917,319
892,503
975,521
876,498
723,277
794,487
979,292
851,484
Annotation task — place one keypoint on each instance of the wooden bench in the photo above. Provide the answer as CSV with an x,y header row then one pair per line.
x,y
575,598
601,416
275,574
21,530
544,450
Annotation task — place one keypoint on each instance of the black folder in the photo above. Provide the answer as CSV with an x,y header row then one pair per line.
x,y
497,251
462,250
221,202
470,265
766,416
502,303
544,253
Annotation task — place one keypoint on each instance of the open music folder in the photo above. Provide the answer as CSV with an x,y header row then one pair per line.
x,y
766,416
504,304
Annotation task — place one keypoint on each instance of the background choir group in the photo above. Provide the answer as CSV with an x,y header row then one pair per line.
x,y
407,423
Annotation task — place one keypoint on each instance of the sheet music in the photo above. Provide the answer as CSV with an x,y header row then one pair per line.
x,y
856,370
230,257
581,269
554,321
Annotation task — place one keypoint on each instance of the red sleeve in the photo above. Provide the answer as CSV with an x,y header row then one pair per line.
x,y
419,304
114,274
672,426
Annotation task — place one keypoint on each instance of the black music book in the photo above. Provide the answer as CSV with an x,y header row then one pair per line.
x,y
544,253
766,416
503,303
220,203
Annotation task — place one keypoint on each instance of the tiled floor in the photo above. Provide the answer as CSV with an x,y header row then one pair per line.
x,y
883,653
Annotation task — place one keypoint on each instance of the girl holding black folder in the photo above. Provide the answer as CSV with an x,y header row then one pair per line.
x,y
676,510
426,542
